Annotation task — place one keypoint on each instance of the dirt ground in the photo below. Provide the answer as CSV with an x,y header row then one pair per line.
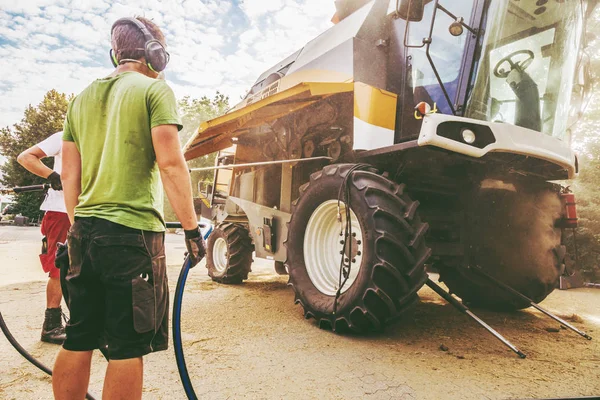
x,y
251,342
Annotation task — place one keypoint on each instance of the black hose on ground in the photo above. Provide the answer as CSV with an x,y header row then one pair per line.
x,y
11,339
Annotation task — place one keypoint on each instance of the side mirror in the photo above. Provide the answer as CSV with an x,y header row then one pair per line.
x,y
411,10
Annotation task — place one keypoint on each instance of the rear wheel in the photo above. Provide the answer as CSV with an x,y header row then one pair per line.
x,y
280,268
384,258
229,253
513,239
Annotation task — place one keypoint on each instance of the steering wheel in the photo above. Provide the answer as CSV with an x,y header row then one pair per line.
x,y
522,65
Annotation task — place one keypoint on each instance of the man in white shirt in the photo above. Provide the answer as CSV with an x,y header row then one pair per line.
x,y
55,225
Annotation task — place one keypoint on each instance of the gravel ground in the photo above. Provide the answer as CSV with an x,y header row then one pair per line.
x,y
251,342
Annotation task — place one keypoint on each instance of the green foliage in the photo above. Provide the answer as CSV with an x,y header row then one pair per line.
x,y
193,112
28,204
37,124
586,143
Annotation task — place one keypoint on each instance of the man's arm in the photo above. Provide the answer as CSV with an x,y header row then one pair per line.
x,y
71,177
31,160
174,174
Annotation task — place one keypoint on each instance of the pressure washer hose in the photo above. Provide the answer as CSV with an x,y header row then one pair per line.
x,y
25,354
177,343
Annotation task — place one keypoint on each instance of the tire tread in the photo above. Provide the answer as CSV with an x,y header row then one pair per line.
x,y
239,260
387,202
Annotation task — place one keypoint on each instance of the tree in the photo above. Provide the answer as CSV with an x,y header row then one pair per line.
x,y
586,143
37,124
193,112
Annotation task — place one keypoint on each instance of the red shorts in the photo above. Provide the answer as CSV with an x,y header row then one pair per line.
x,y
55,226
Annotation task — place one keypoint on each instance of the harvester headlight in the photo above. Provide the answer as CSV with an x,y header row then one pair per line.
x,y
468,136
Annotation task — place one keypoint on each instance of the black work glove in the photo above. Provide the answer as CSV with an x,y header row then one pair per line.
x,y
196,247
54,179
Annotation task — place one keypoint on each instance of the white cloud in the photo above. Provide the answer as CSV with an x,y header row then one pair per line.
x,y
258,8
214,44
40,38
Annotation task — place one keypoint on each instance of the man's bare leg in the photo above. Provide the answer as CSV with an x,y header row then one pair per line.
x,y
53,293
124,379
71,374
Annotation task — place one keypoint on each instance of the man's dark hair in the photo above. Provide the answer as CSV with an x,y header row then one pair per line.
x,y
128,41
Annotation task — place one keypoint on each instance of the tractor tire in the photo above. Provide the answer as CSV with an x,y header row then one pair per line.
x,y
389,250
280,268
512,239
229,253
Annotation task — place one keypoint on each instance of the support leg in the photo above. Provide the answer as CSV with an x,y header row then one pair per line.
x,y
465,310
531,302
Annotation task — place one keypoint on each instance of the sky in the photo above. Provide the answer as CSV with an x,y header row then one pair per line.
x,y
214,44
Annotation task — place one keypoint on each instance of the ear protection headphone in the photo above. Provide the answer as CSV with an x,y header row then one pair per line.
x,y
155,53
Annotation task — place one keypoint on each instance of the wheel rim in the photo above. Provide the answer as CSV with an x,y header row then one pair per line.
x,y
219,254
323,246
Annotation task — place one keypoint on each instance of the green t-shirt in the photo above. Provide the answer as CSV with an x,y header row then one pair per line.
x,y
110,122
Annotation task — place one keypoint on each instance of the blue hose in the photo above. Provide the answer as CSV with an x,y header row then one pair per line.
x,y
177,343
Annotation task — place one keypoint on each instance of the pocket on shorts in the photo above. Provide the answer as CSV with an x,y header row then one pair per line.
x,y
120,257
74,253
143,303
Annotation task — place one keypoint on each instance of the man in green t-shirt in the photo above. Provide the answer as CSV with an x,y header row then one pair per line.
x,y
120,141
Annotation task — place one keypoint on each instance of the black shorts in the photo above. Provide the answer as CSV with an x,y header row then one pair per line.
x,y
116,289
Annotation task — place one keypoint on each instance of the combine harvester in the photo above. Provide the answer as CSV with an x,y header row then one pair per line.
x,y
411,133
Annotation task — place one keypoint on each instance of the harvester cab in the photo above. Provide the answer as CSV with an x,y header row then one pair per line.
x,y
411,133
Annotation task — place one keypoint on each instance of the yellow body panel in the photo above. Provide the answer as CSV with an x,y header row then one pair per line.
x,y
375,106
217,134
314,75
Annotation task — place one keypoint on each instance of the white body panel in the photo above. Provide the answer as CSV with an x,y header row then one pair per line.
x,y
509,139
333,37
370,137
